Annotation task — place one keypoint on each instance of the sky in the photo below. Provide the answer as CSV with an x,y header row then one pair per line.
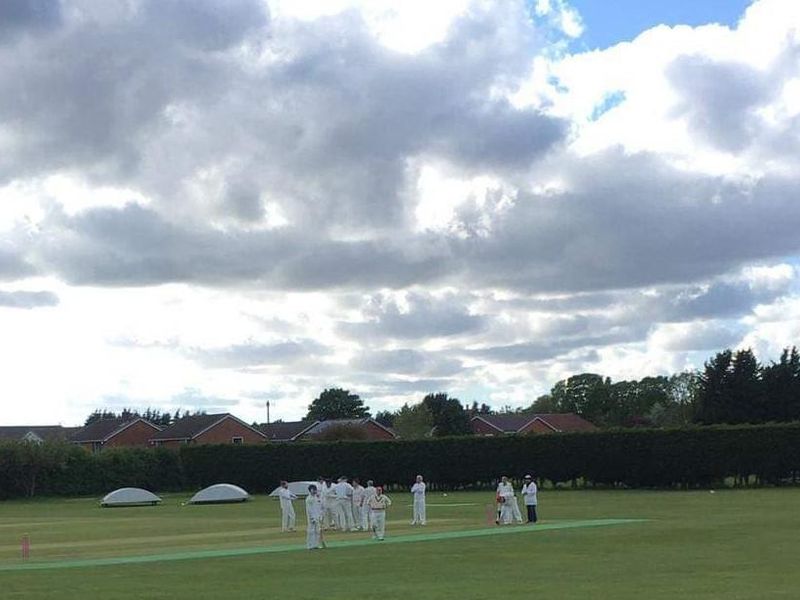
x,y
210,205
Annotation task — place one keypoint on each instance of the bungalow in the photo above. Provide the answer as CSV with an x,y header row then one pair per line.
x,y
36,434
221,428
287,431
529,423
115,433
373,429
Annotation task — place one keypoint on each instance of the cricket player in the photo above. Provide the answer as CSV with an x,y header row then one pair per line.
x,y
529,490
377,508
343,497
287,510
328,494
418,491
314,516
509,508
358,504
369,492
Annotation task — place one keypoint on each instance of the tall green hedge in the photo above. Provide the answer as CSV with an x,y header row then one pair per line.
x,y
65,470
634,458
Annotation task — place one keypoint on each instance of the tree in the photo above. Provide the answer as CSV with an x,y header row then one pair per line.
x,y
413,422
479,409
681,402
745,397
336,403
713,389
544,404
385,418
782,387
587,395
449,416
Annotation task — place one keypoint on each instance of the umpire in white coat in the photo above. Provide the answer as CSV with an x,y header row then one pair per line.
x,y
418,491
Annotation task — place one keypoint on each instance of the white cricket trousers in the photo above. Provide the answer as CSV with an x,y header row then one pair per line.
x,y
287,515
419,510
378,523
313,535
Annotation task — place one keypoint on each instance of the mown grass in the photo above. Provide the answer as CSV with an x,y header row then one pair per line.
x,y
731,544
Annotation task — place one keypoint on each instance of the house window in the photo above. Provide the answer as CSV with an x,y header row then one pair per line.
x,y
238,440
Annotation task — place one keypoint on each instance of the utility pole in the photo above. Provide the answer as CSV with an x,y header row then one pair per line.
x,y
267,412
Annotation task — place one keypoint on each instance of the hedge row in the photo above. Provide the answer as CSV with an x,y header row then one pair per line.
x,y
67,470
693,457
634,458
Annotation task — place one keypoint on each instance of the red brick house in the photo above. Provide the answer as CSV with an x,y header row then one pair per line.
x,y
373,429
208,429
529,423
115,433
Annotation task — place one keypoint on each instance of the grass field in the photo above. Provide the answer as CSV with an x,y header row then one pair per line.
x,y
731,544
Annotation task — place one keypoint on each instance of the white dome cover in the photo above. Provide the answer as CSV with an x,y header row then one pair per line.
x,y
130,497
221,492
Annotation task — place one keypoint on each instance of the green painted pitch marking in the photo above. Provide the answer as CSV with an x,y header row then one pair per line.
x,y
230,552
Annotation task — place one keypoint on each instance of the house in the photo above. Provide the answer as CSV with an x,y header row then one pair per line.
x,y
529,423
287,431
373,429
36,433
221,428
115,433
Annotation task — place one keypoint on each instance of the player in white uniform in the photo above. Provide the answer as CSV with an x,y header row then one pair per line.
x,y
366,515
328,494
418,491
377,508
509,509
314,516
287,510
343,497
358,504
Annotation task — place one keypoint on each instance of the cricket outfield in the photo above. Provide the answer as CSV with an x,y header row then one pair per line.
x,y
589,544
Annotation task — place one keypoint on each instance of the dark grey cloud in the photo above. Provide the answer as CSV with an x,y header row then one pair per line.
x,y
551,347
406,361
721,98
318,115
257,354
426,316
22,299
19,16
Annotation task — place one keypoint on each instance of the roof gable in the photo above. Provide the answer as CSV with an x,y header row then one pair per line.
x,y
188,428
286,431
103,430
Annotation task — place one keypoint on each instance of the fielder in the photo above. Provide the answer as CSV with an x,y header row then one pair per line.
x,y
314,516
358,504
287,510
369,492
418,491
343,498
328,494
377,508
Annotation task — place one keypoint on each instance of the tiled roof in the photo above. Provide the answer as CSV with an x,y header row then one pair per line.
x,y
186,428
281,432
324,425
567,422
510,423
102,429
44,432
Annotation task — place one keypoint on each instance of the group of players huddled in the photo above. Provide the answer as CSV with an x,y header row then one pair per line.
x,y
346,506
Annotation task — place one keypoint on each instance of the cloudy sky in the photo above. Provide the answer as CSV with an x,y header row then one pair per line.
x,y
210,204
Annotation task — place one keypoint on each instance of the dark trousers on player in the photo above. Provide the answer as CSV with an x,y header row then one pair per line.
x,y
531,513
